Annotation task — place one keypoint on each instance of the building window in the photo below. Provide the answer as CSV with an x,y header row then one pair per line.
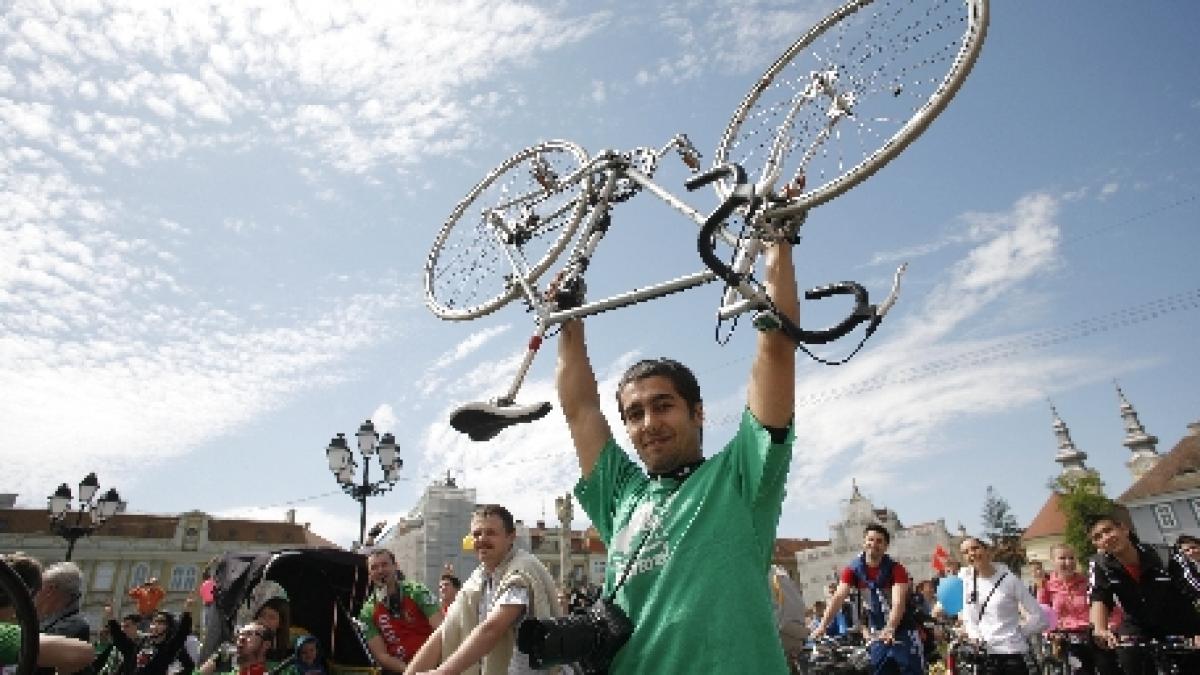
x,y
1166,516
183,578
141,572
1195,509
102,576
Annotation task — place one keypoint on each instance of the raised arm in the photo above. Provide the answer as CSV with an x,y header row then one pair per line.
x,y
579,397
772,391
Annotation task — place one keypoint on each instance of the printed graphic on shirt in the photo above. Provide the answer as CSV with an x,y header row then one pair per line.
x,y
645,525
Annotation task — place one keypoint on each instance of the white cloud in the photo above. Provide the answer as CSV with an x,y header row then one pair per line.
x,y
1108,190
384,418
265,66
100,341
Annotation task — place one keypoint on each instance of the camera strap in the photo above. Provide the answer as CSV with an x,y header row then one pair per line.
x,y
638,549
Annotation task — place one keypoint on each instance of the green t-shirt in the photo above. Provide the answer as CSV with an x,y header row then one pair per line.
x,y
697,594
10,644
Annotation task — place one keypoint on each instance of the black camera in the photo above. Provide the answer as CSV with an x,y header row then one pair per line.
x,y
590,637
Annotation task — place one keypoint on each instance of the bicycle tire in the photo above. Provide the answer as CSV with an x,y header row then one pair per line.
x,y
467,274
26,617
884,53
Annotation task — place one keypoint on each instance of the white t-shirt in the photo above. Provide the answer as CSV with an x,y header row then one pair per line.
x,y
519,665
1010,613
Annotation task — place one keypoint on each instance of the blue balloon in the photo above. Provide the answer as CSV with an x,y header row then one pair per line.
x,y
950,594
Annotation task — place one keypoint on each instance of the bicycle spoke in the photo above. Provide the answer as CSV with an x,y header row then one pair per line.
x,y
533,203
852,93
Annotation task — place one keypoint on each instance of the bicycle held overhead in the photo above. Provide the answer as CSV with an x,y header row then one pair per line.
x,y
841,102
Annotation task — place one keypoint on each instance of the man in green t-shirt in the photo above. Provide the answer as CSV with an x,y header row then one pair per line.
x,y
689,541
399,616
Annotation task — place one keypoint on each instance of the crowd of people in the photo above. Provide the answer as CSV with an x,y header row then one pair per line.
x,y
1130,613
690,540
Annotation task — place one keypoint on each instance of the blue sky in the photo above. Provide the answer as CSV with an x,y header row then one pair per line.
x,y
213,218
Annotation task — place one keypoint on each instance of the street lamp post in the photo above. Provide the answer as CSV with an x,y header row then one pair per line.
x,y
342,464
562,505
98,513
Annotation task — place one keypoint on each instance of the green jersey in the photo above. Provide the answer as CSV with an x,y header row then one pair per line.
x,y
10,644
697,590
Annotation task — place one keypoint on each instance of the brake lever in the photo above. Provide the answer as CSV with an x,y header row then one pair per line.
x,y
886,306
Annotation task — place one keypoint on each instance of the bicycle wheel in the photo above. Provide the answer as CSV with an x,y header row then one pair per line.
x,y
536,200
25,617
850,94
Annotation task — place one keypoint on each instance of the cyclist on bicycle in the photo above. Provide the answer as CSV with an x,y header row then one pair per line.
x,y
1154,602
998,609
886,606
1185,564
1066,592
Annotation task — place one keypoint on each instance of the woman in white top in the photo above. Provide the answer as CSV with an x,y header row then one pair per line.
x,y
998,609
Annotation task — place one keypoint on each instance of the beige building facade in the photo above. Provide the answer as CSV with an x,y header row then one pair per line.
x,y
131,548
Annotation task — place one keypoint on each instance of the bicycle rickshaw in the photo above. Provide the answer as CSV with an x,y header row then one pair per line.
x,y
325,589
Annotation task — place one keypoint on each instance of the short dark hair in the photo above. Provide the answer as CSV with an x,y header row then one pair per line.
x,y
1186,539
506,517
382,551
167,617
1091,520
876,527
454,581
135,618
680,376
28,569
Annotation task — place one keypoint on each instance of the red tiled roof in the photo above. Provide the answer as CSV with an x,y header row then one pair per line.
x,y
1176,471
790,547
1048,522
147,526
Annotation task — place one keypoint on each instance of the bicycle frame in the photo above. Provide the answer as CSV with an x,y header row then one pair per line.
x,y
742,294
596,226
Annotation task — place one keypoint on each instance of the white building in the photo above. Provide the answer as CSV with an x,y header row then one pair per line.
x,y
131,548
912,546
432,535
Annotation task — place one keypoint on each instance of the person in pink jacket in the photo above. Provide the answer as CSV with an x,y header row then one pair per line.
x,y
1066,592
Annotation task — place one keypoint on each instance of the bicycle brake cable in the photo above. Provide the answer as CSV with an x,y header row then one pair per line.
x,y
733,326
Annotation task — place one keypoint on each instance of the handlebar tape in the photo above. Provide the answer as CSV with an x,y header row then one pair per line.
x,y
741,195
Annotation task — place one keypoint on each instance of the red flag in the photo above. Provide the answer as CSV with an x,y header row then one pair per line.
x,y
940,556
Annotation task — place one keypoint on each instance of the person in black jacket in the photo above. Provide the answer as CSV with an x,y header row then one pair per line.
x,y
1185,565
1155,607
153,653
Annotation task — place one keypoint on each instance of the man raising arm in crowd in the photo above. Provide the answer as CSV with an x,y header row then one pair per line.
x,y
689,541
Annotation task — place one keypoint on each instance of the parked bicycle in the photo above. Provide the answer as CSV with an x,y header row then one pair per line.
x,y
1172,655
834,656
840,103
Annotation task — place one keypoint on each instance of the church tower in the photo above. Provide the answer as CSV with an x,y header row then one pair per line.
x,y
1070,457
1140,443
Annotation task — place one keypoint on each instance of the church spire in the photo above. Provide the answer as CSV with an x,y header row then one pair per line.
x,y
855,495
1140,443
1070,457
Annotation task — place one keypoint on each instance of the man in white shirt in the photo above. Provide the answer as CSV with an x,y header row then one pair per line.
x,y
478,634
998,609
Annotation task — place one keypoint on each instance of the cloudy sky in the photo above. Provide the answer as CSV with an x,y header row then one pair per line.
x,y
213,218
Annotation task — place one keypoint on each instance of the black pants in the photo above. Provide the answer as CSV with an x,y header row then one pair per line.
x,y
1081,657
1005,664
1136,660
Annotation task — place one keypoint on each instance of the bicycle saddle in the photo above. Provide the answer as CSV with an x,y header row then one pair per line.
x,y
482,420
